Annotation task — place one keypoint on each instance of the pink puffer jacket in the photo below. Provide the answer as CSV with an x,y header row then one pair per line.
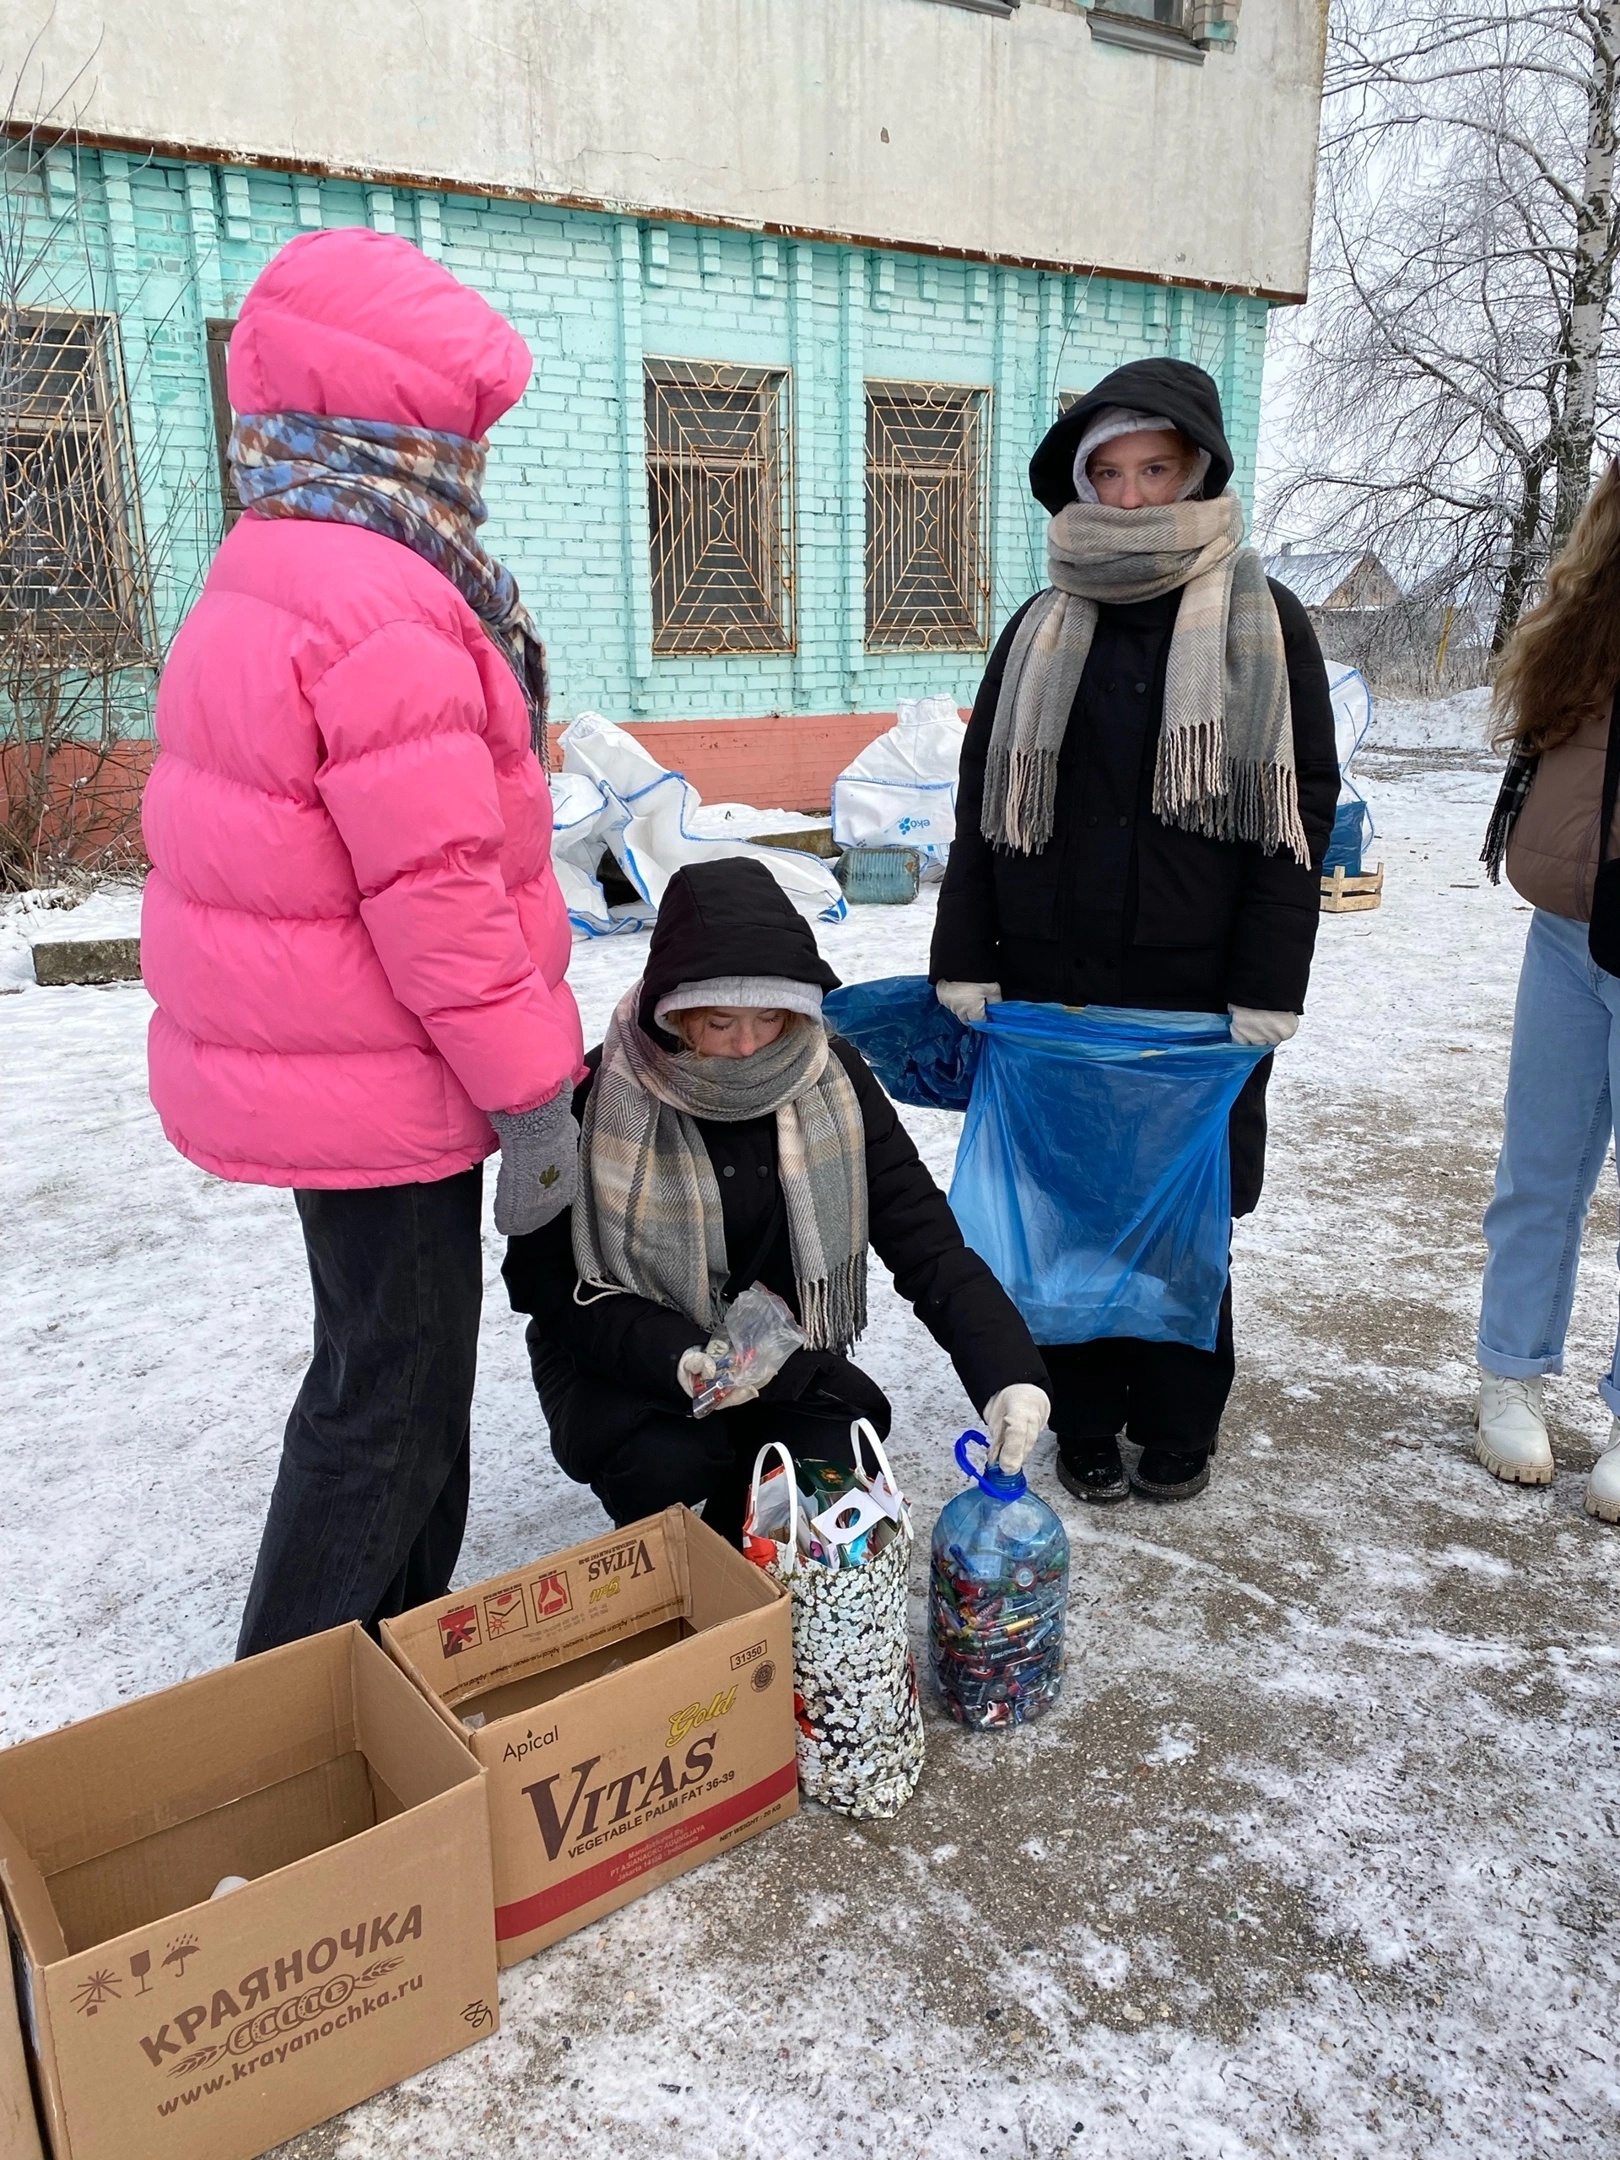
x,y
351,927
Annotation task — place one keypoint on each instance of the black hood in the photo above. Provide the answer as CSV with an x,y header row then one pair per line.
x,y
726,918
1174,388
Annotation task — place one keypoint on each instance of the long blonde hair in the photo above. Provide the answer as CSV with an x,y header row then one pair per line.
x,y
1563,660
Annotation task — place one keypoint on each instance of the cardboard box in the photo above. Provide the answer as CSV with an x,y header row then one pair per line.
x,y
162,2026
637,1693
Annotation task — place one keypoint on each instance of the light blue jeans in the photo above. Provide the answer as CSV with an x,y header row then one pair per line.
x,y
1563,1082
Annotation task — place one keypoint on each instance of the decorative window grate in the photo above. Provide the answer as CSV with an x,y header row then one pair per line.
x,y
927,565
722,572
67,566
219,345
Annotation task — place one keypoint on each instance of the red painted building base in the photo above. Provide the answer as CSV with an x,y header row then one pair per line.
x,y
784,762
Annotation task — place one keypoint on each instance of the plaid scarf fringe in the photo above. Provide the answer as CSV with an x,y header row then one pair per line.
x,y
1200,789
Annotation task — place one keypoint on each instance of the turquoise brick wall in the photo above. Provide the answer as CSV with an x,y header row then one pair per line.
x,y
167,246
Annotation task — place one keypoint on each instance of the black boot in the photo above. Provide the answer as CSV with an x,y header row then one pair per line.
x,y
1172,1470
1091,1469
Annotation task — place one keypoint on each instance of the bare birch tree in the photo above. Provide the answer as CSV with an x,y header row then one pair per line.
x,y
1453,375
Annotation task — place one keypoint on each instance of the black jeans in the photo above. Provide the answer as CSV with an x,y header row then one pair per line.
x,y
1164,1393
370,1501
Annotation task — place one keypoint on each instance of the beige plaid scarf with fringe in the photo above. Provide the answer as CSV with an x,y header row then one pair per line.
x,y
1225,764
648,1216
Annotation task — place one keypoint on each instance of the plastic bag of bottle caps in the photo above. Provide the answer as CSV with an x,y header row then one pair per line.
x,y
998,1594
839,1541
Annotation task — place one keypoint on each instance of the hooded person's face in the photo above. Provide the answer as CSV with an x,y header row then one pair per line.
x,y
728,1031
1141,470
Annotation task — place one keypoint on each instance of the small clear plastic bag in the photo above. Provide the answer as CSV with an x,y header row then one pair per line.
x,y
759,1336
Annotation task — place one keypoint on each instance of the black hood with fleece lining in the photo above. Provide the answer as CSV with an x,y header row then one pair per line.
x,y
1173,389
726,918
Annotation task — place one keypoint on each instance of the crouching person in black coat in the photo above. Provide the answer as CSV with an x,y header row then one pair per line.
x,y
1147,792
727,1139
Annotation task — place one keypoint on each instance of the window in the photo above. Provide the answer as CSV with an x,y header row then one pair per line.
x,y
1164,27
219,341
67,572
1172,14
716,494
927,567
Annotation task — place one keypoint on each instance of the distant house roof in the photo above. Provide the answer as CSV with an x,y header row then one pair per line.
x,y
1335,577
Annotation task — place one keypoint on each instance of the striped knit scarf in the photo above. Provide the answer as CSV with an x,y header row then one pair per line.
x,y
1225,763
648,1216
417,486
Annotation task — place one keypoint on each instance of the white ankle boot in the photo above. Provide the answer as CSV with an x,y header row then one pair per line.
x,y
1603,1486
1512,1438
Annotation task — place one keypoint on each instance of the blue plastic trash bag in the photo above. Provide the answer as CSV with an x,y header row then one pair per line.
x,y
1350,823
1093,1174
922,1053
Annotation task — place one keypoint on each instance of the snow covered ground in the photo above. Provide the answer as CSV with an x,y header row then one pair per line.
x,y
1318,1856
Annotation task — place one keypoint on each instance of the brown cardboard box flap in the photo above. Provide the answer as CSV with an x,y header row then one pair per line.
x,y
553,1610
19,2127
22,1888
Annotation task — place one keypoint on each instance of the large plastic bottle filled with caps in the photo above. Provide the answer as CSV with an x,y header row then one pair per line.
x,y
998,1593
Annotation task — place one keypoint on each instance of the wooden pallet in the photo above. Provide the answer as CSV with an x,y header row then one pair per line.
x,y
1343,895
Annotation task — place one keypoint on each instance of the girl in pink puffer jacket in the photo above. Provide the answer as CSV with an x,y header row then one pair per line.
x,y
351,930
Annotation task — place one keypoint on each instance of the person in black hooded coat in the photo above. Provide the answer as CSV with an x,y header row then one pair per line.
x,y
1121,906
734,979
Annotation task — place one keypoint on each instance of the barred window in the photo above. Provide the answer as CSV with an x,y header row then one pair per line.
x,y
1172,14
716,501
219,345
927,564
67,569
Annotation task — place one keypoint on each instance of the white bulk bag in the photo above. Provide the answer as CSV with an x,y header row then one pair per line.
x,y
655,839
586,819
901,790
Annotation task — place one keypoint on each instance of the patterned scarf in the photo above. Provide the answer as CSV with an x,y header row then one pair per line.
x,y
1226,748
1510,799
414,485
648,1216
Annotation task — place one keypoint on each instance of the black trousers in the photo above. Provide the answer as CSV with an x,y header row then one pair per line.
x,y
370,1501
708,1462
1164,1393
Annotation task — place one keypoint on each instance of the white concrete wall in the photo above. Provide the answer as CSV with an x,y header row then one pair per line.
x,y
1022,138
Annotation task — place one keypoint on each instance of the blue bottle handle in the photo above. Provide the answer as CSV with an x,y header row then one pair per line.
x,y
995,1482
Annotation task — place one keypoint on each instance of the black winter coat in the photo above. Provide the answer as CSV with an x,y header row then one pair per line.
x,y
598,1365
1120,908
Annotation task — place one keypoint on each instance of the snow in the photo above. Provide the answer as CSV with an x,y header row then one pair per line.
x,y
1316,1858
61,911
1462,722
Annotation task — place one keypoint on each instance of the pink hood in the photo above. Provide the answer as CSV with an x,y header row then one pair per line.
x,y
351,929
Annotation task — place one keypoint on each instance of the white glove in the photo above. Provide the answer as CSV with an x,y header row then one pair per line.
x,y
1261,1030
1014,1420
698,1367
967,1000
695,1370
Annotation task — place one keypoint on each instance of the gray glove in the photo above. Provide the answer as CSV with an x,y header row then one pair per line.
x,y
539,1164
